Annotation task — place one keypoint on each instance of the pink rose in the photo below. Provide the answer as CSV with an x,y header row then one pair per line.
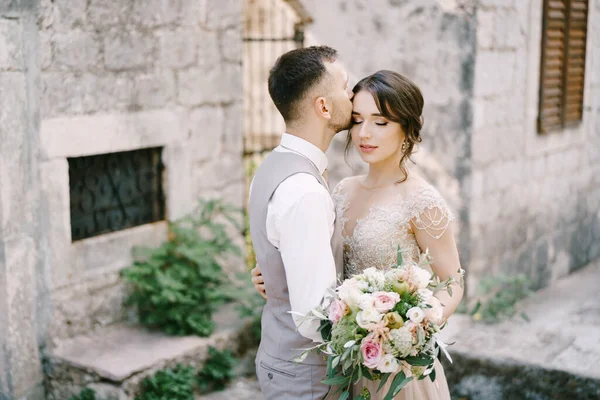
x,y
371,351
337,310
385,301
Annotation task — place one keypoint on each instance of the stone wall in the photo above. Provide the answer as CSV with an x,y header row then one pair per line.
x,y
433,44
123,75
526,203
535,198
20,239
87,77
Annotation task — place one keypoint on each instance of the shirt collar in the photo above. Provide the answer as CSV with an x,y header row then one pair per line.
x,y
305,148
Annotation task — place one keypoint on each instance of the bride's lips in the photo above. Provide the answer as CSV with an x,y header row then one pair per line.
x,y
367,148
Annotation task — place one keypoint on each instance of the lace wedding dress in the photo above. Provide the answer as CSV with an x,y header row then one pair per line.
x,y
373,223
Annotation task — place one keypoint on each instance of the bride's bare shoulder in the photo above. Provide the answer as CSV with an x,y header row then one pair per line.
x,y
348,184
412,184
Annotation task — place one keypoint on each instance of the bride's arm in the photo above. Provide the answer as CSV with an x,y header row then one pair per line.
x,y
446,263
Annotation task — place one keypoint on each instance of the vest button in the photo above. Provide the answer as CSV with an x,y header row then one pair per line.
x,y
270,375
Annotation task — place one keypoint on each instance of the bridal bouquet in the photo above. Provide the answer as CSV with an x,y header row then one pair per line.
x,y
380,324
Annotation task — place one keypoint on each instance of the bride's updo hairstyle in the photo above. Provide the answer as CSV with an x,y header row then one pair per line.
x,y
399,100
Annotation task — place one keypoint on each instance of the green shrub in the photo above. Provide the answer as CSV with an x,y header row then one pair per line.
x,y
498,297
169,384
178,286
85,394
217,371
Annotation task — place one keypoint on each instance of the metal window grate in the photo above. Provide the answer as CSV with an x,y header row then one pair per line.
x,y
562,73
111,192
271,28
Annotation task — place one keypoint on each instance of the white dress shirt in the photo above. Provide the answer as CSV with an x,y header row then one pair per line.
x,y
300,223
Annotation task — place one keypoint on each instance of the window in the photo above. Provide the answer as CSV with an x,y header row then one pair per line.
x,y
111,192
562,74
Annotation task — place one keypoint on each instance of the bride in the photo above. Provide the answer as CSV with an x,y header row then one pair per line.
x,y
391,206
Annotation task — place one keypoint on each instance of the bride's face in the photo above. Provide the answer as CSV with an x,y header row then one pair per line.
x,y
375,138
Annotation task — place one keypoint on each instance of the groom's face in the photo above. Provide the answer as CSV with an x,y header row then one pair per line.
x,y
341,97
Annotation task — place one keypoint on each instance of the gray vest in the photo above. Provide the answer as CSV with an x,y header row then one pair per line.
x,y
279,335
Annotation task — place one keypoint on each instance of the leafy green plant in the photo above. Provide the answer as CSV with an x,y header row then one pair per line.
x,y
499,296
179,285
85,394
169,384
217,370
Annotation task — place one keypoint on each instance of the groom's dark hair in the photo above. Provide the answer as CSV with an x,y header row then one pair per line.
x,y
294,74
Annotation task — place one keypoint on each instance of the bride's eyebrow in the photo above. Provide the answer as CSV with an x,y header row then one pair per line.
x,y
373,115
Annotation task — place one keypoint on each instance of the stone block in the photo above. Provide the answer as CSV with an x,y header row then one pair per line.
x,y
105,13
177,48
17,180
221,14
61,94
233,136
219,172
177,159
23,358
200,86
486,26
128,50
77,50
107,133
46,50
153,13
54,177
209,54
494,73
193,13
71,13
11,45
107,92
231,44
155,89
206,132
507,30
85,305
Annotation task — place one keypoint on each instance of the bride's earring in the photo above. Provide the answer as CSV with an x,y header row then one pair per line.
x,y
404,146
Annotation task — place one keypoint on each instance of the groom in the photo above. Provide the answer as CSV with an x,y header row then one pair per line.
x,y
292,219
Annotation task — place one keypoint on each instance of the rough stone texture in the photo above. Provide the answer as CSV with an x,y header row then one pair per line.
x,y
90,77
529,209
521,198
116,359
554,355
20,244
369,37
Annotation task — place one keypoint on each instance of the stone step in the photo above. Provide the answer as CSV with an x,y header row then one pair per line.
x,y
114,360
554,355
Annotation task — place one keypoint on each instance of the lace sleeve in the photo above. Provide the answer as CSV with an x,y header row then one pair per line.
x,y
429,211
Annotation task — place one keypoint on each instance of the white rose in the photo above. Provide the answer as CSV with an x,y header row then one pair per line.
x,y
349,293
366,301
366,318
425,294
416,315
388,364
375,278
420,277
436,313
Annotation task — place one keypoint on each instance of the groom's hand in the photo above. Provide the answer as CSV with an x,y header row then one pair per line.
x,y
258,281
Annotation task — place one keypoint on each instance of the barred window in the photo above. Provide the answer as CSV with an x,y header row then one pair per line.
x,y
111,192
564,33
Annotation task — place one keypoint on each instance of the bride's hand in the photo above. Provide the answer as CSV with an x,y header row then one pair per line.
x,y
258,281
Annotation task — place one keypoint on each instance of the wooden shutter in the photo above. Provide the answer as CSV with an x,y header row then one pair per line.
x,y
562,74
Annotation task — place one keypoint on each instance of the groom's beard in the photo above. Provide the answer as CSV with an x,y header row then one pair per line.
x,y
341,124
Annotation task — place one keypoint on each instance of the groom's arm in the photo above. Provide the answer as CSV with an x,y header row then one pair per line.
x,y
305,230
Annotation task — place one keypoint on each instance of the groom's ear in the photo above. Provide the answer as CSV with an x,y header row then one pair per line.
x,y
322,107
